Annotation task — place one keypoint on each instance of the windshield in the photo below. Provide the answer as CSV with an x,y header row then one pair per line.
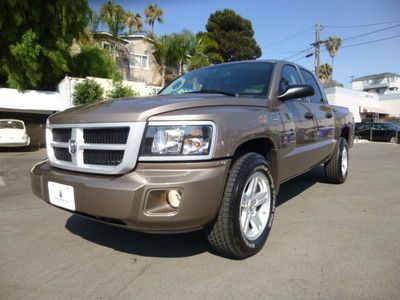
x,y
8,124
248,79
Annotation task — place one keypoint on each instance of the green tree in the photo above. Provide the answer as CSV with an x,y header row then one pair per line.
x,y
94,61
134,22
182,45
234,35
332,46
35,39
204,53
162,53
153,13
114,16
88,91
121,91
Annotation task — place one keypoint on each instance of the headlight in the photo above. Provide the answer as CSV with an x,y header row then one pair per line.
x,y
183,140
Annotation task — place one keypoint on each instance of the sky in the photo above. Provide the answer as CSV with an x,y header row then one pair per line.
x,y
294,23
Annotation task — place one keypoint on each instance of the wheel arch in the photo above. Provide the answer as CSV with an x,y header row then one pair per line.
x,y
263,146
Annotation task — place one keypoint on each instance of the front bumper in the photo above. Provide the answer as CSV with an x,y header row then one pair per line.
x,y
122,199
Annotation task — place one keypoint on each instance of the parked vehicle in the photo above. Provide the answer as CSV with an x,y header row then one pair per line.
x,y
378,131
209,152
13,133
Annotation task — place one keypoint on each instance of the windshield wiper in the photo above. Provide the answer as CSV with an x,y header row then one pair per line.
x,y
213,92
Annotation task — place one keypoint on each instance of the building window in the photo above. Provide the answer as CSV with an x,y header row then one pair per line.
x,y
138,61
107,46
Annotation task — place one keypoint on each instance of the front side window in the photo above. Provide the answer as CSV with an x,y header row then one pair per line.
x,y
310,80
138,61
289,76
247,79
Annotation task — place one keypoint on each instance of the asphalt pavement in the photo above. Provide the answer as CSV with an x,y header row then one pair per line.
x,y
327,242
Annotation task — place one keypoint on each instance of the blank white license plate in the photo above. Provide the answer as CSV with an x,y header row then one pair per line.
x,y
61,195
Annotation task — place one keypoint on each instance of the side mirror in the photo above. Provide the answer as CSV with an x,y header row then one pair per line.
x,y
296,91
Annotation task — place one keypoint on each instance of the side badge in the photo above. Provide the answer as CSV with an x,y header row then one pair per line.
x,y
262,119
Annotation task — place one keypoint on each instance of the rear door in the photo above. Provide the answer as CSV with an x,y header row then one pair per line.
x,y
323,113
383,131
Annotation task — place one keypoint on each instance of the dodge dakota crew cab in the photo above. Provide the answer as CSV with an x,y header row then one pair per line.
x,y
208,152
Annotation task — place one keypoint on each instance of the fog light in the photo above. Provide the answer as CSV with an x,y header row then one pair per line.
x,y
174,198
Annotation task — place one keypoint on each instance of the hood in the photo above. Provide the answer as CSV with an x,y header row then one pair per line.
x,y
140,109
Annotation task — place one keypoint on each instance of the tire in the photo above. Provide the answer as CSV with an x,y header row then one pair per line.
x,y
393,139
228,234
336,169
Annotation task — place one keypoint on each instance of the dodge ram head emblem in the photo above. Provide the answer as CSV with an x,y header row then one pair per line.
x,y
72,146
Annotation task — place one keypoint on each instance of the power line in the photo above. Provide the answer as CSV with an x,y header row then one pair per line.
x,y
371,32
282,52
363,25
300,52
354,45
289,37
373,41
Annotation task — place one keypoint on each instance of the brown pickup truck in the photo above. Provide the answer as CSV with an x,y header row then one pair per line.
x,y
208,152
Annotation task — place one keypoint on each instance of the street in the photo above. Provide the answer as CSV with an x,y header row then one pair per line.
x,y
327,242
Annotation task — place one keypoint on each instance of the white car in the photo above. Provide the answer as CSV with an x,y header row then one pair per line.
x,y
13,133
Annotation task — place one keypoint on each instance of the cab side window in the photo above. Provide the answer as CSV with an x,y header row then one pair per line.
x,y
289,76
310,80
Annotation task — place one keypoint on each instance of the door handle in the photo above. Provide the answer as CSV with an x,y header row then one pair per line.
x,y
308,115
328,115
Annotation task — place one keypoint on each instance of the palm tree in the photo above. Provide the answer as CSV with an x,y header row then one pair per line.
x,y
162,53
325,74
94,20
332,46
134,22
153,13
114,16
182,45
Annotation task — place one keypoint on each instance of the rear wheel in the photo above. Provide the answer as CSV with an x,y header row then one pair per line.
x,y
247,209
393,139
337,168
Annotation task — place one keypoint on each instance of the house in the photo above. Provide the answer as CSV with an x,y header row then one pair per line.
x,y
365,105
134,56
384,83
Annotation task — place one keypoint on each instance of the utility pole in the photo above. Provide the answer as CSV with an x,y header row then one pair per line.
x,y
316,45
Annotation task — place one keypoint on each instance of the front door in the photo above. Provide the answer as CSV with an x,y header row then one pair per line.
x,y
299,126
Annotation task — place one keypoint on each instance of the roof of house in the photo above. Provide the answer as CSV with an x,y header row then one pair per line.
x,y
103,34
374,76
123,38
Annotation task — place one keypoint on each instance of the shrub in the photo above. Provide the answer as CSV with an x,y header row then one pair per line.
x,y
94,61
121,91
88,91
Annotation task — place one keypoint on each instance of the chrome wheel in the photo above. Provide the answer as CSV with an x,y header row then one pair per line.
x,y
255,206
345,161
393,140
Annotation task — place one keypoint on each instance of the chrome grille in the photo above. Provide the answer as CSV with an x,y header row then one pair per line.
x,y
102,148
62,154
103,157
62,135
106,135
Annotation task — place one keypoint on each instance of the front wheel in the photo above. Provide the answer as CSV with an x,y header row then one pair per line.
x,y
337,167
247,209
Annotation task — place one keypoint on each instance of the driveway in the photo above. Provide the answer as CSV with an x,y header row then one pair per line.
x,y
327,242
